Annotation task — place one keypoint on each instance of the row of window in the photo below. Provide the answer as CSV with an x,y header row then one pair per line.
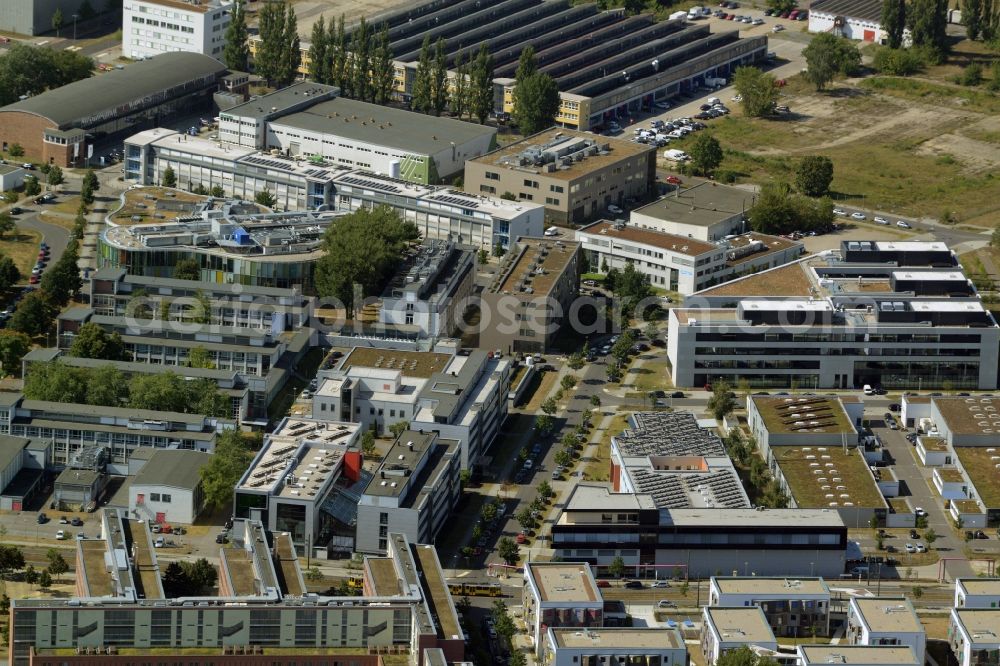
x,y
159,497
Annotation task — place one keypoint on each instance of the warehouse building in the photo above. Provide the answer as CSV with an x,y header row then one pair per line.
x,y
860,20
706,212
152,27
575,174
59,126
168,487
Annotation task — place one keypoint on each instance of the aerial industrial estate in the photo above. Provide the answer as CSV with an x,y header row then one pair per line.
x,y
468,332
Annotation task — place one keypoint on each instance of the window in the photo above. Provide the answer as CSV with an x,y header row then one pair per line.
x,y
165,498
556,188
154,497
492,175
531,183
383,518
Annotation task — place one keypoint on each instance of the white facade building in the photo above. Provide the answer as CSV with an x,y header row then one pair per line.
x,y
559,594
792,606
726,628
167,488
150,27
977,593
974,635
861,21
651,646
857,655
875,621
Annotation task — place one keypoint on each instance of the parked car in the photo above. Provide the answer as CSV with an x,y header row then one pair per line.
x,y
16,210
913,534
880,220
221,538
674,180
903,225
981,534
661,583
921,548
615,210
920,512
63,520
665,603
633,584
42,518
60,535
76,522
839,211
858,216
910,548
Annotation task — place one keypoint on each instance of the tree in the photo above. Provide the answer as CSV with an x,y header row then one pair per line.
x,y
33,315
723,400
55,176
187,269
11,559
107,386
927,20
265,198
169,178
45,579
201,574
13,347
706,154
383,69
92,341
31,186
225,467
217,191
744,656
549,406
460,95
777,211
894,21
536,103
87,188
524,518
362,248
30,70
828,55
575,361
422,98
567,382
57,564
175,581
781,6
338,57
15,150
517,658
6,224
489,512
313,574
545,490
167,392
317,51
595,400
236,52
360,62
464,478
544,423
758,91
199,357
481,96
507,550
57,20
930,536
439,78
399,427
62,279
995,237
617,567
271,29
814,175
30,575
368,443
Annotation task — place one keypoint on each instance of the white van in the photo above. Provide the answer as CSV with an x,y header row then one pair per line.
x,y
675,155
868,389
552,231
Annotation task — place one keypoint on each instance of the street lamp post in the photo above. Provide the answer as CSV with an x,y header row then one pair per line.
x,y
75,17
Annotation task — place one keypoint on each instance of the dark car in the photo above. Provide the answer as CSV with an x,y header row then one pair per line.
x,y
221,538
633,584
887,416
76,522
659,394
894,407
39,200
914,535
42,519
969,536
677,394
16,211
981,535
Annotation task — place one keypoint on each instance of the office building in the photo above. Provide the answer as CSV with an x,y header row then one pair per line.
x,y
531,295
898,314
857,655
614,645
412,492
706,212
152,27
114,292
597,525
430,292
559,594
52,127
575,174
977,593
681,263
34,17
793,607
885,621
167,488
461,397
974,635
76,430
301,184
726,628
311,120
22,469
294,480
121,614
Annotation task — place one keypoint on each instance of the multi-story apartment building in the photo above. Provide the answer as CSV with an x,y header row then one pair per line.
x,y
151,27
680,263
977,593
73,428
899,314
796,607
885,621
726,628
856,655
529,300
974,636
559,594
412,492
651,646
575,174
461,397
299,184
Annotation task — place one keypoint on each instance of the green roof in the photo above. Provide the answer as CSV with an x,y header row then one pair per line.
x,y
77,102
172,467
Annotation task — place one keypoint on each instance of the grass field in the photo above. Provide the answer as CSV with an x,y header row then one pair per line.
x,y
598,467
57,220
651,375
22,247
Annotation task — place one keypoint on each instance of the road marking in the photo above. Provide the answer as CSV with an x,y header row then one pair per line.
x,y
100,55
42,43
73,48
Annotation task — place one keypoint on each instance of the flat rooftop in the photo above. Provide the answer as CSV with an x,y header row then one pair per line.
x,y
607,151
702,205
861,655
980,586
410,363
386,126
971,415
982,624
383,576
787,280
276,103
564,582
404,454
668,434
933,444
826,477
663,241
740,625
594,497
618,638
807,517
805,415
240,566
772,587
949,475
887,616
766,245
95,569
433,581
535,264
980,463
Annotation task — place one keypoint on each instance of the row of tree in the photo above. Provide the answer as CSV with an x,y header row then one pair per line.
x,y
30,70
278,53
361,65
981,19
536,95
107,386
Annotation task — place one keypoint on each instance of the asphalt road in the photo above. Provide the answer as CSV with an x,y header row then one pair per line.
x,y
57,237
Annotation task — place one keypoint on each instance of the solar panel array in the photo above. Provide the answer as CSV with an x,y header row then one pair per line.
x,y
669,434
674,490
455,201
370,183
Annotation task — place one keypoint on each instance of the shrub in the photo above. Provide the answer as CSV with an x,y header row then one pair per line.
x,y
971,75
898,62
